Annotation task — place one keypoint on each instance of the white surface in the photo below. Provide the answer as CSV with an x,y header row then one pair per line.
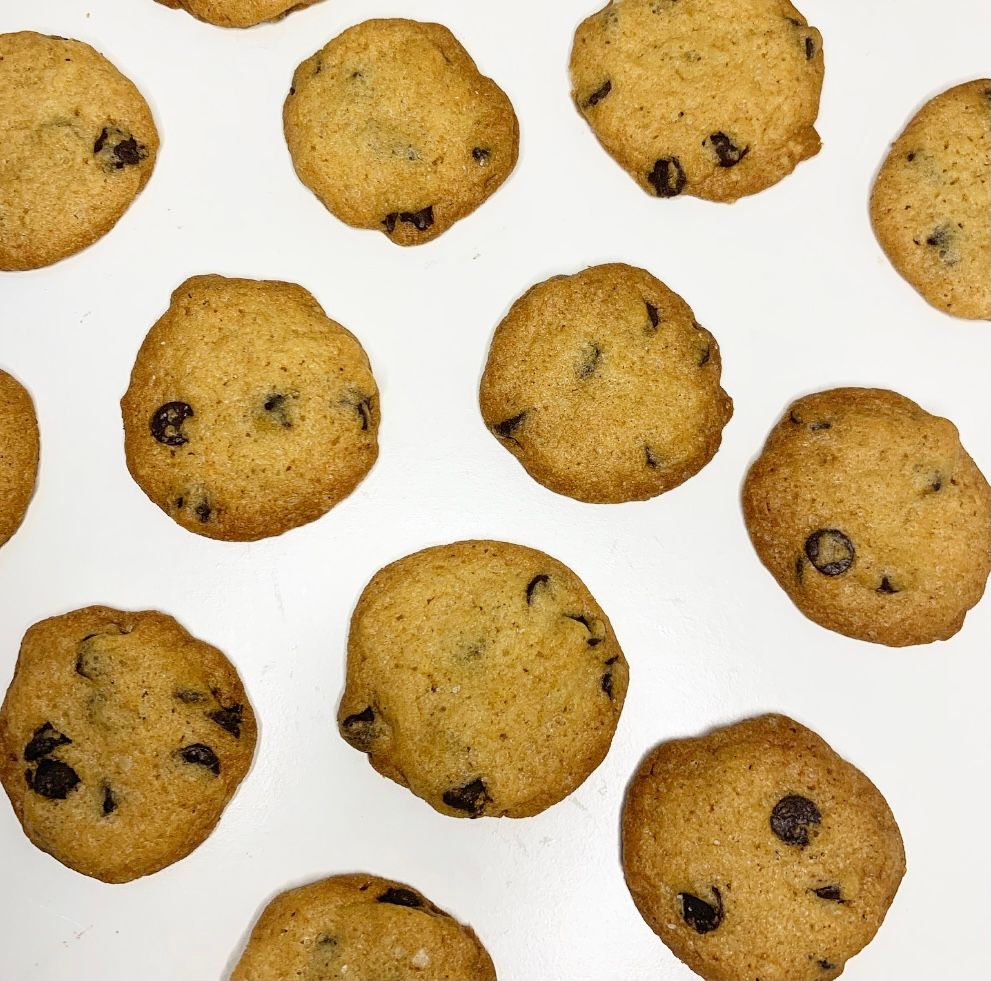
x,y
798,294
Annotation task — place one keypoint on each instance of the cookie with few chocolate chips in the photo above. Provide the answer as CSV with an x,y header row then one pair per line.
x,y
484,677
238,13
19,447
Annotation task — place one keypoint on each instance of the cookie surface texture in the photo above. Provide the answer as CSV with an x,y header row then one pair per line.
x,y
756,852
484,677
711,98
393,128
360,928
123,739
871,516
249,411
931,205
79,144
604,386
19,447
238,13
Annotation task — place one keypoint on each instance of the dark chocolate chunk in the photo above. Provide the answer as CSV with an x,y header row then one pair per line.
x,y
109,800
45,740
481,156
810,48
599,94
122,149
588,361
53,779
166,423
832,894
534,584
701,916
727,152
652,314
793,817
230,718
390,221
421,220
507,428
830,551
128,152
401,897
887,587
667,178
607,682
471,798
360,729
200,755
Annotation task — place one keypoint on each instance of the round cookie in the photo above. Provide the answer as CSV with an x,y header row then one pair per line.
x,y
604,386
19,443
238,13
931,204
712,98
393,128
360,928
79,144
249,411
122,739
756,852
484,677
871,516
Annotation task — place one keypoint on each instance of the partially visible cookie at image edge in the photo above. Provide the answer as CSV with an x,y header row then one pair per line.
x,y
238,13
19,449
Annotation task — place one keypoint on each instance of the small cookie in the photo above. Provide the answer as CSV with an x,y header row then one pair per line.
x,y
249,411
360,928
393,128
238,13
79,144
19,444
122,739
604,386
484,677
871,516
931,205
756,852
712,98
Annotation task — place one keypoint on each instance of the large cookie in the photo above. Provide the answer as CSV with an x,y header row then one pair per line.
x,y
871,516
392,127
19,443
756,852
249,411
713,98
360,928
482,676
238,13
604,386
931,205
79,143
122,740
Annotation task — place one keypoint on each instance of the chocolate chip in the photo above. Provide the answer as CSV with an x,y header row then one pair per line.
x,y
832,894
727,152
188,696
200,755
826,965
937,485
229,718
792,818
533,585
53,779
942,239
595,628
390,221
910,156
401,897
507,428
421,220
122,149
810,48
109,800
652,314
128,152
481,156
667,178
45,740
887,587
471,798
701,916
203,512
599,94
166,423
653,461
830,551
588,361
607,683
360,729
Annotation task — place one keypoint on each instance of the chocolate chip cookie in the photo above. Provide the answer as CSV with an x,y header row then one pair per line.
x,y
393,128
249,411
19,443
122,740
238,13
931,205
79,144
757,852
712,98
482,676
360,928
605,386
871,516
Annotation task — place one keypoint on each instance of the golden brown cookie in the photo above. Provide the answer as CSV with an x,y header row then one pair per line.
x,y
122,738
360,928
871,516
238,13
604,386
484,677
19,442
931,205
393,128
249,411
756,852
79,144
712,98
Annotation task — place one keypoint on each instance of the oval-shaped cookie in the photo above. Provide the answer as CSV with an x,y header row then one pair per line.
x,y
484,677
19,448
238,13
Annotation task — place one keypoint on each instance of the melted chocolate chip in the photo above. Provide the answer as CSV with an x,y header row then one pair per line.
x,y
200,755
701,916
390,221
203,512
421,220
652,314
481,156
53,779
109,800
599,94
166,423
533,585
607,683
592,625
830,551
588,362
128,152
887,587
229,718
826,965
667,178
793,817
46,739
832,894
653,461
942,239
470,798
727,152
507,428
401,897
118,149
810,49
360,729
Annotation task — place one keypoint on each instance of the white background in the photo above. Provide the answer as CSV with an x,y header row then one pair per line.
x,y
800,297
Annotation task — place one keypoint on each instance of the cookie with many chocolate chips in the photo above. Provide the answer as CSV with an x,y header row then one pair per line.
x,y
871,516
19,444
79,144
712,98
360,928
122,739
238,13
249,411
484,677
393,128
605,386
757,852
931,205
